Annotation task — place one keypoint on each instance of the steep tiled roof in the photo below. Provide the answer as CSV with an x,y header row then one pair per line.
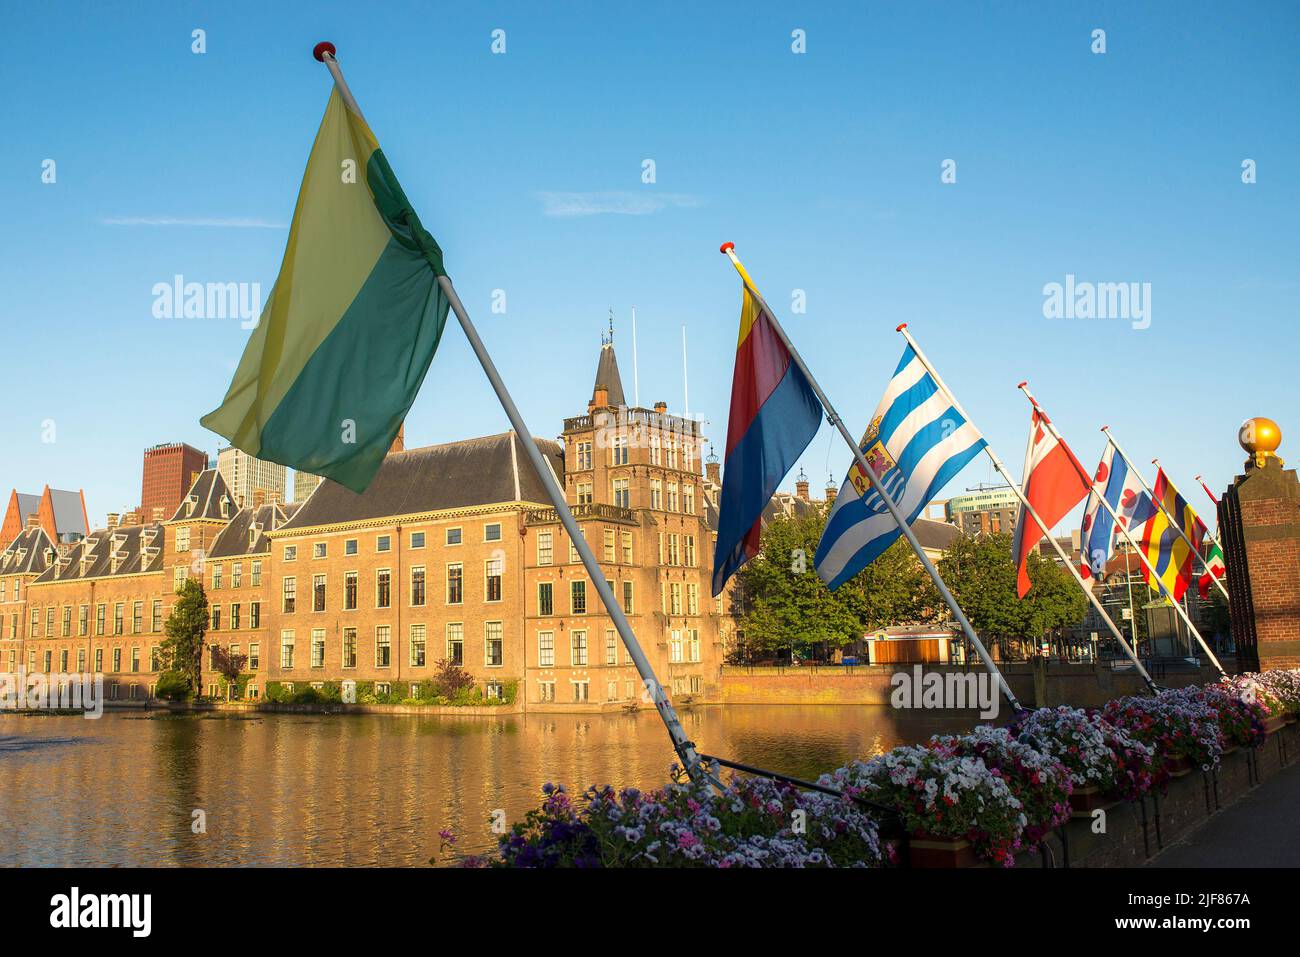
x,y
204,499
246,533
456,475
27,554
69,513
28,505
607,376
125,550
935,535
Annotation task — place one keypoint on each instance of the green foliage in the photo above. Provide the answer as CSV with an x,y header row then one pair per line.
x,y
981,575
788,606
172,686
186,627
331,692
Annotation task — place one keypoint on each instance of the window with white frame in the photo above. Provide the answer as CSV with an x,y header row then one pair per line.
x,y
622,495
546,649
456,642
578,649
417,645
493,644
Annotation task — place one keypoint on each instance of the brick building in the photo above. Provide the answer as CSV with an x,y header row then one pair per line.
x,y
169,470
62,514
452,552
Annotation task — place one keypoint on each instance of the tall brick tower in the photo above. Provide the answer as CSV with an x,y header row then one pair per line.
x,y
633,478
1260,519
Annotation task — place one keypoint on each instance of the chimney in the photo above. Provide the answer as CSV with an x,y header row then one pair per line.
x,y
661,407
399,440
600,398
801,486
112,520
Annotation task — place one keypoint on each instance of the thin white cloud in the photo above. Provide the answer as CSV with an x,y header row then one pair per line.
x,y
226,222
617,202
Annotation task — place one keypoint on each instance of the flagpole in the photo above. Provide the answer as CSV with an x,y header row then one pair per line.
x,y
1024,387
1024,501
727,249
684,747
1215,535
1161,505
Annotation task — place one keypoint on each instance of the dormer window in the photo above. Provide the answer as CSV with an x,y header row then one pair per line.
x,y
190,502
225,507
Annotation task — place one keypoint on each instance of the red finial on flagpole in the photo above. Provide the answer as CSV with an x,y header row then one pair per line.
x,y
1023,384
726,248
1105,428
900,327
321,49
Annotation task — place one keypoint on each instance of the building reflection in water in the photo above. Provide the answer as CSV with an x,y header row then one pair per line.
x,y
365,790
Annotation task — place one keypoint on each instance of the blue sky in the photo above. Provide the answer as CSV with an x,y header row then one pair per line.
x,y
823,168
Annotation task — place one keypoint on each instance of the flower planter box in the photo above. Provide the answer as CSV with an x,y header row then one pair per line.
x,y
1083,801
1179,766
1275,724
926,850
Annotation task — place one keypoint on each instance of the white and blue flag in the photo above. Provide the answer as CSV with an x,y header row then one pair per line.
x,y
916,442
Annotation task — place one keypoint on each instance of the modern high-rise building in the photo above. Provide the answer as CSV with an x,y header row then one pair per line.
x,y
251,481
304,483
169,470
985,511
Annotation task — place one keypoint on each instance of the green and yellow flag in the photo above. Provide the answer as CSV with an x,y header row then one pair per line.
x,y
352,323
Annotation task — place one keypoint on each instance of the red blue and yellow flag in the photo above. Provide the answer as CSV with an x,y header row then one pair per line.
x,y
774,415
1165,548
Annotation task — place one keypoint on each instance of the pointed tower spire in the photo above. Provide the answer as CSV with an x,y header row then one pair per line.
x,y
608,380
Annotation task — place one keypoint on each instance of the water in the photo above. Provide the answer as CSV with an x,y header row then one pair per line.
x,y
303,790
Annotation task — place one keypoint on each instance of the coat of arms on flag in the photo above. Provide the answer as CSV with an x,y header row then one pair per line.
x,y
916,443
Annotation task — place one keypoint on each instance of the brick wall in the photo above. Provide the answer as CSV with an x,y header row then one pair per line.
x,y
1260,517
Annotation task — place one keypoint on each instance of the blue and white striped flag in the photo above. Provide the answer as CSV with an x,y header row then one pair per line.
x,y
916,443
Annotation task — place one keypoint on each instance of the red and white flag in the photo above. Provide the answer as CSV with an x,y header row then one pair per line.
x,y
1054,482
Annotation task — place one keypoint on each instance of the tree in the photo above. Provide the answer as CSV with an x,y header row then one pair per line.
x,y
981,575
229,665
788,606
186,627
